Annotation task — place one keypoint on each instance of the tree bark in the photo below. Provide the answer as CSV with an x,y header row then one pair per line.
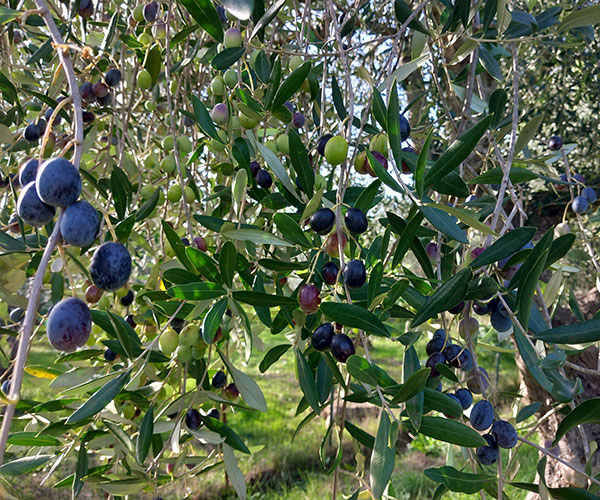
x,y
571,447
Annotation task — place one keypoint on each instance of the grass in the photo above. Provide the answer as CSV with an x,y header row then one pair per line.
x,y
286,469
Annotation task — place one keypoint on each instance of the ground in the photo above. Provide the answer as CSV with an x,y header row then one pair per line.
x,y
286,469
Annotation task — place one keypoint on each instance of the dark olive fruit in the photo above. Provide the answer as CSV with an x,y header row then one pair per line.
x,y
322,221
404,128
473,382
482,415
330,273
17,315
500,322
213,413
356,221
439,341
150,11
32,132
93,294
455,398
31,209
590,194
481,309
264,179
200,243
437,358
185,241
342,347
110,355
177,324
86,8
457,309
322,143
579,178
505,434
289,106
127,300
580,205
218,335
131,321
80,224
42,124
88,117
58,182
188,122
6,386
112,77
105,101
354,274
322,336
488,455
309,299
28,171
111,266
555,143
254,168
458,357
405,168
192,419
86,90
298,120
69,324
231,391
100,89
465,397
219,379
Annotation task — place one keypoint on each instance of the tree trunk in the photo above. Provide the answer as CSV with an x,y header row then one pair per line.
x,y
571,447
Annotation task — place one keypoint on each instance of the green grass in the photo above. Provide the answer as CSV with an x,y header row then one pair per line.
x,y
286,469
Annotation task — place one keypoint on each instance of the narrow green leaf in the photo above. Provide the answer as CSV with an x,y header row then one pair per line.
x,y
382,173
457,152
338,100
213,319
290,85
445,297
301,163
261,299
256,236
577,333
393,121
205,14
379,109
495,175
273,356
354,316
144,438
177,246
527,289
382,458
584,413
443,222
465,216
403,12
227,58
248,388
204,120
579,18
267,17
531,360
201,290
422,163
374,282
451,431
99,399
363,437
227,262
231,438
527,133
23,465
307,382
291,230
414,384
505,246
456,480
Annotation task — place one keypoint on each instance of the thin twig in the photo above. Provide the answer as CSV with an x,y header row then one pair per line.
x,y
29,322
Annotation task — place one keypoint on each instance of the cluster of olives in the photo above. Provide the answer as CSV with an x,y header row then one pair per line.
x,y
499,317
57,183
441,350
502,434
586,195
99,92
339,344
